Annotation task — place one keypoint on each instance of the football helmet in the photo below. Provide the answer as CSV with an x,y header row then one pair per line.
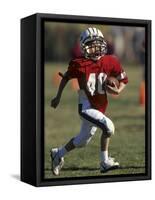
x,y
92,43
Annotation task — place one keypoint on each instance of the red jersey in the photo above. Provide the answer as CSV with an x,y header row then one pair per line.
x,y
91,76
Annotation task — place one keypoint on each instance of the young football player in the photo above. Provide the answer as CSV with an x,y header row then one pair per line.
x,y
92,70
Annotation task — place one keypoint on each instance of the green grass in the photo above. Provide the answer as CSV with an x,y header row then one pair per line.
x,y
127,145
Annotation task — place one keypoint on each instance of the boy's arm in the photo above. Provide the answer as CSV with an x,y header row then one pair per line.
x,y
115,90
55,101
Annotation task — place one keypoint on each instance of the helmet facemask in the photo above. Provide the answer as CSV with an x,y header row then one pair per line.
x,y
94,49
92,43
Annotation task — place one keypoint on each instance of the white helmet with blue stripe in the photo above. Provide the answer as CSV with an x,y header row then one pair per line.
x,y
92,43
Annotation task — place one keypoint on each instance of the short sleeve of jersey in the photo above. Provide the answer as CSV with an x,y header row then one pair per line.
x,y
73,70
118,71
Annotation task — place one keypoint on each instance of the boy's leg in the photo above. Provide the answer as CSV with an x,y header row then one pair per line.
x,y
104,147
107,163
91,119
107,127
83,138
69,146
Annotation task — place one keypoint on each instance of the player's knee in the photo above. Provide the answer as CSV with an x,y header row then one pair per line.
x,y
109,128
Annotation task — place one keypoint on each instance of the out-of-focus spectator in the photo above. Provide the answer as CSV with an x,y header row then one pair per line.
x,y
110,45
76,50
139,45
128,51
118,40
139,51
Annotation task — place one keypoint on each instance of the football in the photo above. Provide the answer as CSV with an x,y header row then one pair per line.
x,y
112,81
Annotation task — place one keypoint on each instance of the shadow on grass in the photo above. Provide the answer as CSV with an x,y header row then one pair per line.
x,y
76,168
95,168
131,167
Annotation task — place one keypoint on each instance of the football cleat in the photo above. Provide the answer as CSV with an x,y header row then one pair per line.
x,y
57,162
108,165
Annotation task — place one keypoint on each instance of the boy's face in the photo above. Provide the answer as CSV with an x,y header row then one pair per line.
x,y
93,49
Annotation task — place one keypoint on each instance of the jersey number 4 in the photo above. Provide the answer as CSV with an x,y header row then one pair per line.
x,y
96,83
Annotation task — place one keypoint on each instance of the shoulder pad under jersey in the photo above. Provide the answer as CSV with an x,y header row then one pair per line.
x,y
80,62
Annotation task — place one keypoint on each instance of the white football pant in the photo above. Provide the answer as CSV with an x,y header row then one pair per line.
x,y
91,119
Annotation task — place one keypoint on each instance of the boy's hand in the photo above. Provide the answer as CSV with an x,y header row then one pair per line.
x,y
112,90
55,102
115,89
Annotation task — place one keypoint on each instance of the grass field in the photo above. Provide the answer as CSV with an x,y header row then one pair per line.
x,y
127,145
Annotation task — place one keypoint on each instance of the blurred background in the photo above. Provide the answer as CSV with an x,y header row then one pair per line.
x,y
62,41
126,111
